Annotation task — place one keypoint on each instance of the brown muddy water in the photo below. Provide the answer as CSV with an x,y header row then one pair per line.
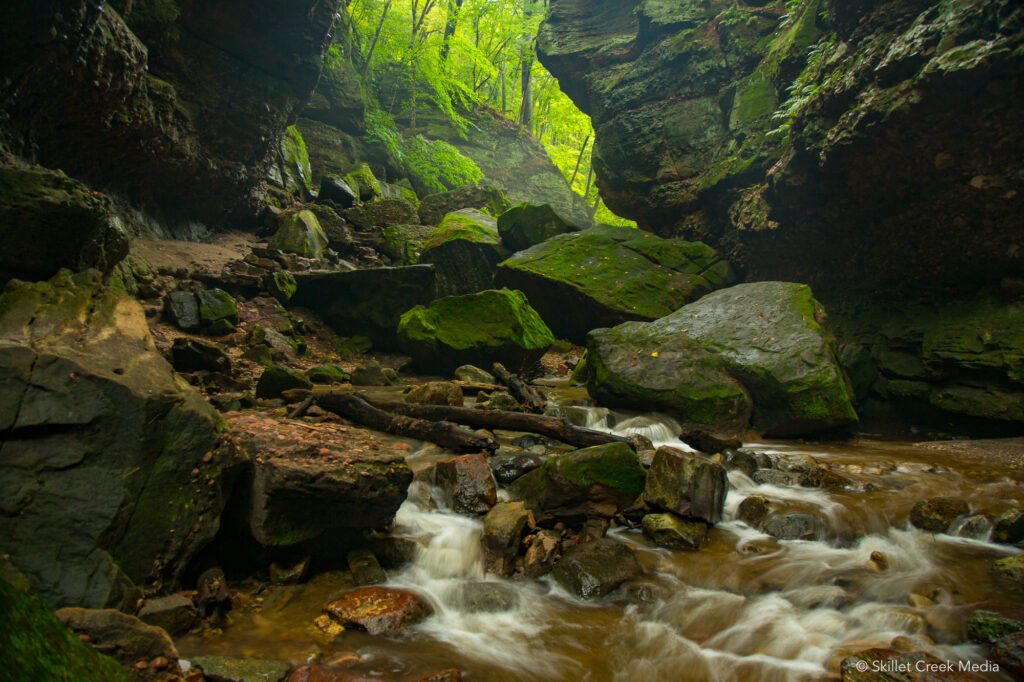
x,y
745,607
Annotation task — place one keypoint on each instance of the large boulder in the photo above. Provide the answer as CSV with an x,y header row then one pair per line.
x,y
314,485
381,212
481,329
601,480
299,232
101,440
466,484
595,568
607,275
125,637
686,484
770,336
504,528
404,243
49,221
524,225
465,250
638,366
366,302
435,207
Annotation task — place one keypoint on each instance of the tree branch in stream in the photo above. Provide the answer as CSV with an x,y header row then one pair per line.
x,y
522,391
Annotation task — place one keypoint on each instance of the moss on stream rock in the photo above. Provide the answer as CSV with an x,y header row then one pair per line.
x,y
465,251
480,329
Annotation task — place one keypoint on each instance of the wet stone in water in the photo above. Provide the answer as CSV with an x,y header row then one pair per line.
x,y
485,597
594,569
937,514
668,530
365,568
378,610
797,526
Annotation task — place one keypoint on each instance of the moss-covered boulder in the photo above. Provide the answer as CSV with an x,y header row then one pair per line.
x,y
770,336
601,480
524,225
335,190
404,243
216,306
387,211
668,530
366,302
434,207
326,374
296,175
638,366
364,182
484,328
336,229
608,275
49,221
465,251
276,379
112,480
299,232
34,645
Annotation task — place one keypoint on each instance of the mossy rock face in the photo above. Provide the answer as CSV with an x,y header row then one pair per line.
x,y
524,225
216,305
124,435
296,175
481,329
382,212
638,366
597,481
465,251
339,236
404,243
608,275
435,207
326,374
985,627
769,335
34,645
299,232
281,285
364,183
277,379
49,221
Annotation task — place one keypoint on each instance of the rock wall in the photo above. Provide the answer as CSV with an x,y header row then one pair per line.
x,y
177,105
871,149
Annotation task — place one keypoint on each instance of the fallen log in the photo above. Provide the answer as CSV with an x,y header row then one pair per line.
x,y
443,433
521,391
559,429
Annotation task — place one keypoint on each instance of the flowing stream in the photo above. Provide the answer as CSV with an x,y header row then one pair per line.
x,y
745,607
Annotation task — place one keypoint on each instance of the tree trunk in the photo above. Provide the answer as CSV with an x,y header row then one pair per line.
x,y
449,27
376,37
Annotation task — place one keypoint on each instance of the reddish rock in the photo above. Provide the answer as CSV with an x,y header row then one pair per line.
x,y
379,610
467,483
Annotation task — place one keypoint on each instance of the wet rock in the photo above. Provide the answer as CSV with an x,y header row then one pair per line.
x,y
595,568
435,393
364,183
298,474
465,251
753,510
1011,567
277,379
124,637
542,553
499,400
466,483
686,484
779,478
299,232
326,374
823,477
370,373
507,468
79,365
435,207
339,236
195,355
212,592
485,597
668,530
394,550
366,302
182,309
937,514
49,221
985,627
597,481
380,213
636,366
504,527
280,285
174,613
1009,528
1008,652
524,225
796,526
473,374
483,328
216,307
365,568
739,459
607,275
337,191
707,442
292,574
976,527
226,669
379,610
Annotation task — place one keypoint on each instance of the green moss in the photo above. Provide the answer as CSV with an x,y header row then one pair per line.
x,y
296,156
462,225
754,101
299,232
364,182
614,465
34,645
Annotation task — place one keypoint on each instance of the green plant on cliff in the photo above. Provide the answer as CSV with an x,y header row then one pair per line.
x,y
803,89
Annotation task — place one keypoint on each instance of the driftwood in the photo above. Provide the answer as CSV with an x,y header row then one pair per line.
x,y
521,391
552,427
442,433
